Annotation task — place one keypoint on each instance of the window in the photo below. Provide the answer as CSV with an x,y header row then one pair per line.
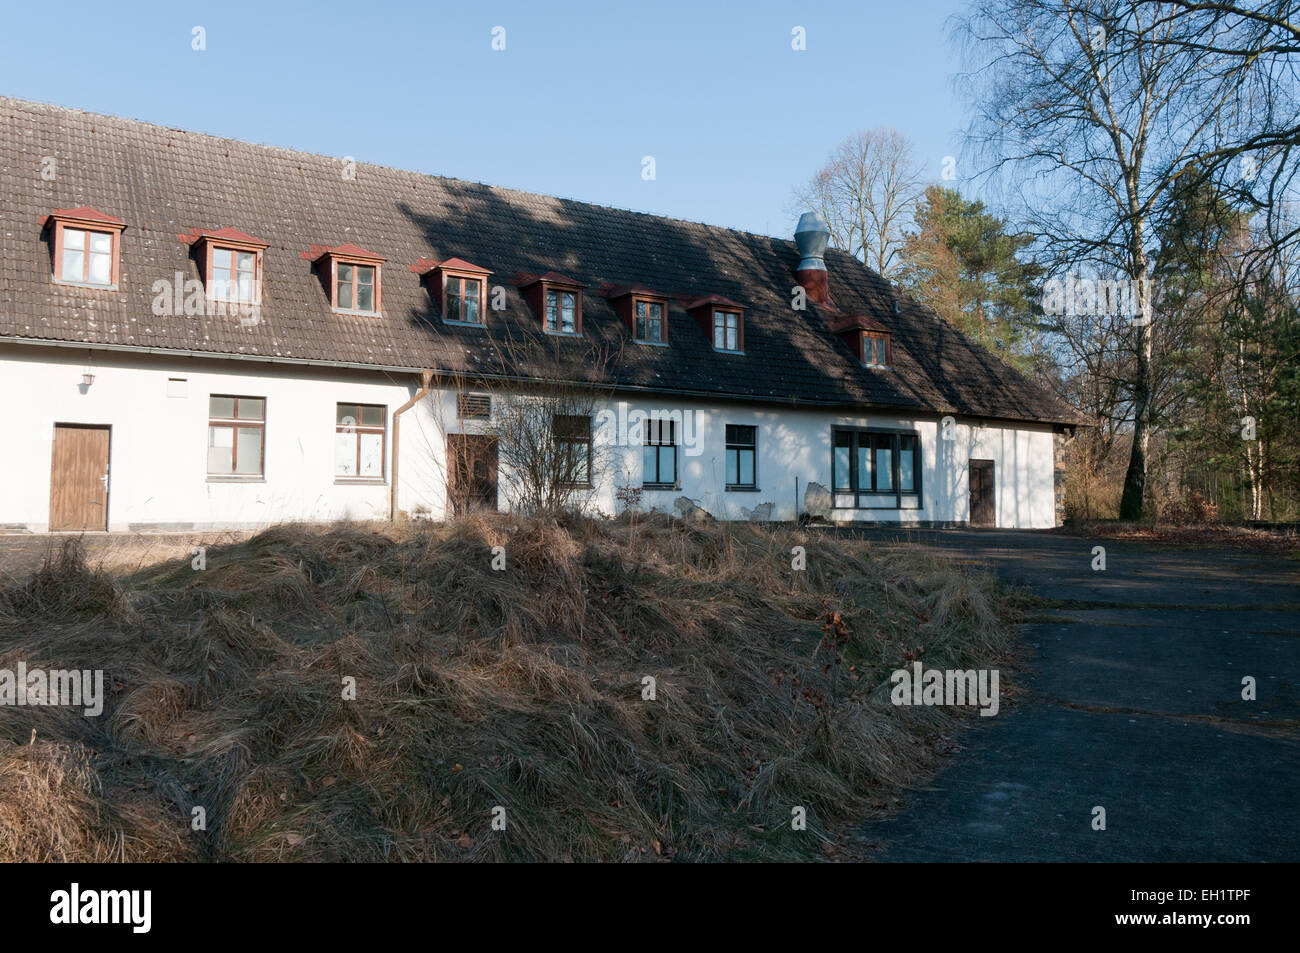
x,y
236,427
359,437
561,312
649,321
234,275
659,455
87,257
726,330
741,441
873,469
474,406
875,350
464,300
573,446
354,289
556,300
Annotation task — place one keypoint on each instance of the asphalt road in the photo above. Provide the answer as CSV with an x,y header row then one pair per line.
x,y
1134,704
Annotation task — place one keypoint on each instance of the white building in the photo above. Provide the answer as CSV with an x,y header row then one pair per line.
x,y
201,333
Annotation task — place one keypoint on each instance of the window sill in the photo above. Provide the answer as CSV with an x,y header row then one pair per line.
x,y
661,486
741,489
465,324
577,486
727,350
650,343
357,314
563,334
236,479
360,481
84,284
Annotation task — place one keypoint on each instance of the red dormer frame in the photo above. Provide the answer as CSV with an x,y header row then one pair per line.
x,y
86,219
535,288
855,329
327,259
435,275
206,242
625,300
703,311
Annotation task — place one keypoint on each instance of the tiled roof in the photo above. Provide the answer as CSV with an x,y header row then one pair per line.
x,y
162,181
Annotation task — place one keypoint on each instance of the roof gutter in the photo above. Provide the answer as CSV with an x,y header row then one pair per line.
x,y
426,384
617,388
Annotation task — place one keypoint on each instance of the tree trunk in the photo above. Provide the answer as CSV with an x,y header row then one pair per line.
x,y
1135,479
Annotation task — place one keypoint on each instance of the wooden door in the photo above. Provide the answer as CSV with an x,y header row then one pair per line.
x,y
79,478
472,471
983,497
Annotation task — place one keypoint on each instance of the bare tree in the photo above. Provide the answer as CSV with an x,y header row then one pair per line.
x,y
867,192
1090,110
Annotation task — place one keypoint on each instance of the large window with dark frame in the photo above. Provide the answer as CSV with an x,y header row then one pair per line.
x,y
360,434
741,456
649,321
573,449
464,300
876,469
236,436
659,454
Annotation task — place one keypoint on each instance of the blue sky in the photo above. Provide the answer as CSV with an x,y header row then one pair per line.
x,y
733,116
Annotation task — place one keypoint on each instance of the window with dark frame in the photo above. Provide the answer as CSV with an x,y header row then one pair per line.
x,y
659,454
354,287
726,330
236,436
360,438
87,257
875,350
649,323
573,445
561,312
464,299
741,457
876,464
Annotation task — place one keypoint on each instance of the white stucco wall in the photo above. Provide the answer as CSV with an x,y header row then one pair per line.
x,y
158,470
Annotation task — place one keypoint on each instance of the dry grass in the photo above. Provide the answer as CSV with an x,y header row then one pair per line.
x,y
1281,541
476,689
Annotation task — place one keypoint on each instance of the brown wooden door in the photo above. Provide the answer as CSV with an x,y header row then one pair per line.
x,y
983,498
79,478
472,471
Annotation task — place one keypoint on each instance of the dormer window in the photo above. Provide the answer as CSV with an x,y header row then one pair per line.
x,y
722,319
86,247
556,300
644,311
231,262
649,324
459,288
352,276
875,349
866,337
561,312
726,331
354,287
464,299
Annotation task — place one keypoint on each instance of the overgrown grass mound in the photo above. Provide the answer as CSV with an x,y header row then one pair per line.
x,y
478,689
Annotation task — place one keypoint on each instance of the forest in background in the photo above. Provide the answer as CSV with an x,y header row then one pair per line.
x,y
1138,246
